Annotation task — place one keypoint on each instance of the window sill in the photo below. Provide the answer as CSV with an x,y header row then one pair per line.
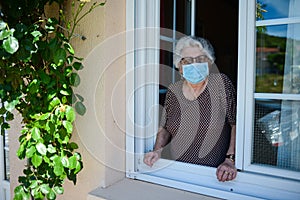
x,y
133,189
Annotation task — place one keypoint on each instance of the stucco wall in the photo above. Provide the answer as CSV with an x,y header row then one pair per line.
x,y
16,165
100,132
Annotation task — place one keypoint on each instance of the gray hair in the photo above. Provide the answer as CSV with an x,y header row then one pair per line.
x,y
191,41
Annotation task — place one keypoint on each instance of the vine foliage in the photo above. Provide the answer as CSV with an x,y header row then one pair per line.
x,y
38,71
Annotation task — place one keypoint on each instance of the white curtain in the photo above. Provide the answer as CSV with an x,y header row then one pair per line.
x,y
289,152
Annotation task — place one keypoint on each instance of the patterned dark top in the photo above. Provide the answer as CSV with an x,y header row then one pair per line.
x,y
200,128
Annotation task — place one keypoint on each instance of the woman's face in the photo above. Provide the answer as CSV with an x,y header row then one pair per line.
x,y
192,54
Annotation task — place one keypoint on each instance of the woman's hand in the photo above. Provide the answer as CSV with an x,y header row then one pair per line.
x,y
226,171
151,157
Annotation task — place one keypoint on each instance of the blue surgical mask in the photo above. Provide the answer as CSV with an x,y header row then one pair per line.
x,y
195,72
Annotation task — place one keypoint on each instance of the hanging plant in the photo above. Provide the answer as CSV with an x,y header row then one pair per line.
x,y
38,72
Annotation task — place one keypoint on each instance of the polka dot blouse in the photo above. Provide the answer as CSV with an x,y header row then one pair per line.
x,y
200,128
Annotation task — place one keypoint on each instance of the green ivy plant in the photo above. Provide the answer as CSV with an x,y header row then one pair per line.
x,y
38,70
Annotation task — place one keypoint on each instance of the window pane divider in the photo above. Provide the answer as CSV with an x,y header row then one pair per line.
x,y
168,39
278,21
277,96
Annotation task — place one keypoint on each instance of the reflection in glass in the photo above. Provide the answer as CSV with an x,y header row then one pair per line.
x,y
182,15
276,134
7,168
274,9
278,59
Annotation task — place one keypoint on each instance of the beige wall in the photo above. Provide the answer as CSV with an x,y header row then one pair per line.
x,y
16,165
100,132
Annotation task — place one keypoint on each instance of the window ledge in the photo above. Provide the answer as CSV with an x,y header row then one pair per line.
x,y
133,189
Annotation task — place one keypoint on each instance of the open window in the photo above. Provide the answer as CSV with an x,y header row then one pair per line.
x,y
274,93
249,46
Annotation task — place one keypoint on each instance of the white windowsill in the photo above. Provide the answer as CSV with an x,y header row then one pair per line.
x,y
140,190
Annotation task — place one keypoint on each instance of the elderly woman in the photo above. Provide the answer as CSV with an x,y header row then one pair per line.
x,y
198,121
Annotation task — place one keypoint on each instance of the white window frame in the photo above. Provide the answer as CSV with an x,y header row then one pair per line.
x,y
4,184
251,96
176,174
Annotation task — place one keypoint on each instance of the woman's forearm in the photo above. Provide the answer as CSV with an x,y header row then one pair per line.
x,y
162,139
231,149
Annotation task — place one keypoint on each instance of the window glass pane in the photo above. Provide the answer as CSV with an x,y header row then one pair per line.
x,y
183,16
166,14
6,140
278,59
276,139
274,9
167,72
6,164
6,156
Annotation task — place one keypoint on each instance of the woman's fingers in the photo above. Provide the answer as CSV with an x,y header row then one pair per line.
x,y
150,158
226,173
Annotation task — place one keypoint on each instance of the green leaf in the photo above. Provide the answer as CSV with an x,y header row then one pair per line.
x,y
36,193
21,150
80,108
47,160
36,160
50,127
51,95
60,57
63,92
35,133
45,188
73,146
68,126
51,149
45,116
66,140
1,119
36,35
58,190
80,97
34,86
9,116
65,162
20,194
77,65
72,162
70,114
74,79
69,48
51,195
34,184
45,77
55,101
78,167
2,110
19,189
10,106
5,34
30,152
41,148
21,29
70,59
2,25
64,100
58,167
11,45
